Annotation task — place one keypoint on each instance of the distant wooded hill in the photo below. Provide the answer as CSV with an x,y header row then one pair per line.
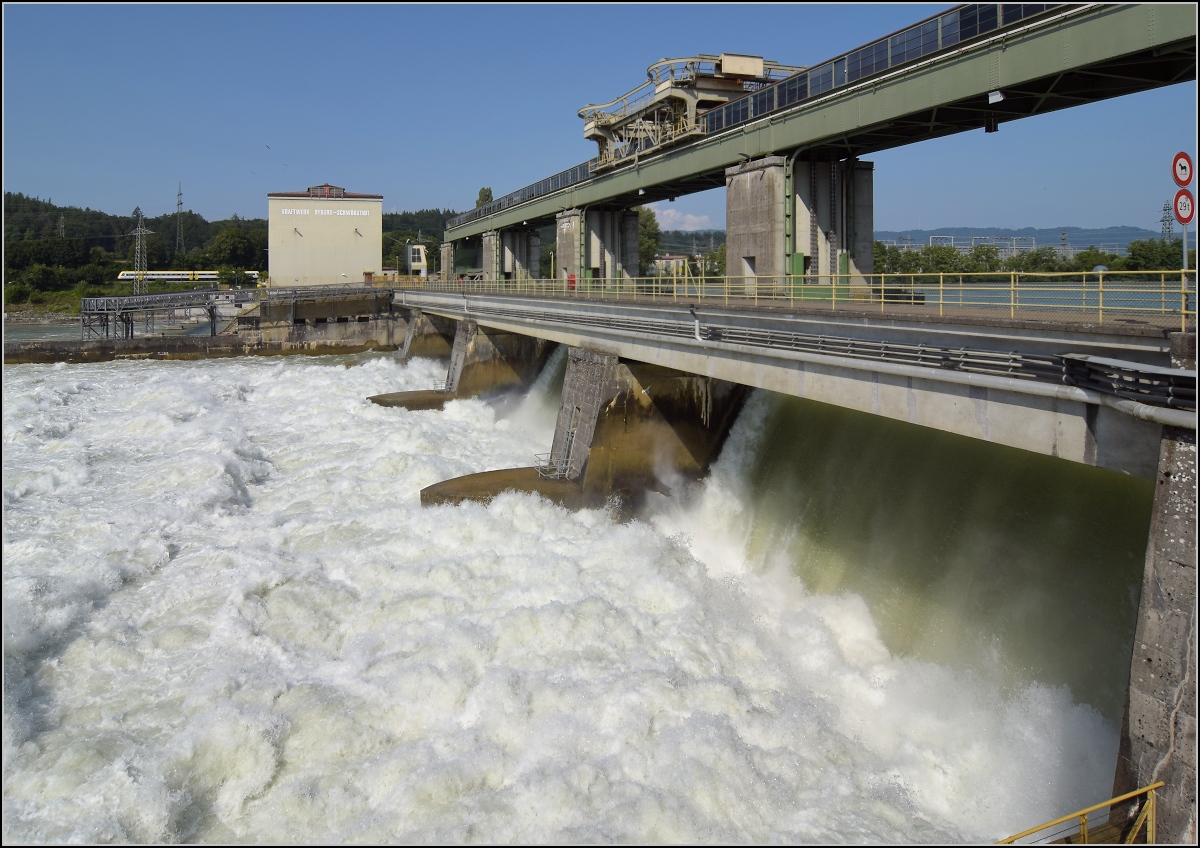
x,y
1112,239
31,218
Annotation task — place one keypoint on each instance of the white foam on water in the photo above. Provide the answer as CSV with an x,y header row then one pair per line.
x,y
228,619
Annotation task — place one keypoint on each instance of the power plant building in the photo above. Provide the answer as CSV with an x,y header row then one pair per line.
x,y
324,236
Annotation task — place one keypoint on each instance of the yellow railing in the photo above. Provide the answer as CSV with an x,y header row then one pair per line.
x,y
1159,298
1145,818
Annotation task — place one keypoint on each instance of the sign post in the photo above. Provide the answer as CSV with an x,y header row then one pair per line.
x,y
1185,204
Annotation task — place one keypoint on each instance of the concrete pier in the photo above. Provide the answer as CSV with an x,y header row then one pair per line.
x,y
481,361
597,244
427,335
1158,734
802,218
512,254
622,426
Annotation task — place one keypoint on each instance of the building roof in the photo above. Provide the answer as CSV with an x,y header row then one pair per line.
x,y
325,191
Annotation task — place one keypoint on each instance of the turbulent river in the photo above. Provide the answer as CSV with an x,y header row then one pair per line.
x,y
228,619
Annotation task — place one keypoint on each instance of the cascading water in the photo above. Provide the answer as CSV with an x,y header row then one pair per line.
x,y
970,554
228,619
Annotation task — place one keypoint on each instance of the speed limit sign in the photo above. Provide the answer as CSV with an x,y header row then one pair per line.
x,y
1181,169
1185,206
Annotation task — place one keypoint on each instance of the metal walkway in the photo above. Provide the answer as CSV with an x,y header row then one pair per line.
x,y
116,317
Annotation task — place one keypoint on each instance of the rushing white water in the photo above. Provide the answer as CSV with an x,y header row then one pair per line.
x,y
227,618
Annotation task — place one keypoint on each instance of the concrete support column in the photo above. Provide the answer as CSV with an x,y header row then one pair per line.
x,y
484,360
630,253
834,221
589,381
596,260
622,422
490,259
447,261
521,252
1158,734
597,244
568,241
754,221
533,254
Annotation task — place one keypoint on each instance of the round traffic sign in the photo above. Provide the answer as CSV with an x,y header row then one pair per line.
x,y
1185,206
1181,169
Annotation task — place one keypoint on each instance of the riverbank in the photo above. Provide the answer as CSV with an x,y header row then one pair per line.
x,y
29,316
179,347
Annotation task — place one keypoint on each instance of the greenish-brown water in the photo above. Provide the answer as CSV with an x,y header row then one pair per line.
x,y
967,553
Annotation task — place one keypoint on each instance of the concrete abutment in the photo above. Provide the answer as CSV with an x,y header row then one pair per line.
x,y
1158,732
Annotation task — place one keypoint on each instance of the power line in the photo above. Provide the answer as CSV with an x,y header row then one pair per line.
x,y
179,220
139,256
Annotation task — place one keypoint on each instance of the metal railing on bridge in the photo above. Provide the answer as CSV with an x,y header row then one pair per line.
x,y
172,300
1158,298
1097,824
950,30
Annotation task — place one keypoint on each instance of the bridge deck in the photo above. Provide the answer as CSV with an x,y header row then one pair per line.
x,y
1156,306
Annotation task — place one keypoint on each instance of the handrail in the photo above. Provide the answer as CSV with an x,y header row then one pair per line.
x,y
1146,816
1163,299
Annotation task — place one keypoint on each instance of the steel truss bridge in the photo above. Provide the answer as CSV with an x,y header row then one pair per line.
x,y
116,317
936,78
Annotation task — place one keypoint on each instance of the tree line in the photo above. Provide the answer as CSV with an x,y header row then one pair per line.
x,y
1148,255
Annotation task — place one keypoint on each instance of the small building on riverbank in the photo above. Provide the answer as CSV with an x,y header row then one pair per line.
x,y
324,235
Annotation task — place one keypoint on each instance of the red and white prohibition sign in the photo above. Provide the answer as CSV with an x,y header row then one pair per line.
x,y
1185,206
1181,169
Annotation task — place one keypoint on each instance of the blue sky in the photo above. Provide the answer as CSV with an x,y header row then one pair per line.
x,y
112,106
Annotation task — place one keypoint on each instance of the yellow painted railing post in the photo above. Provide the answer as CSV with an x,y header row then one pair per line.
x,y
1100,297
1012,295
1083,829
1183,301
1152,802
941,292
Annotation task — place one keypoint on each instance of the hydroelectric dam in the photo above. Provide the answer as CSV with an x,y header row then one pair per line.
x,y
1061,368
986,485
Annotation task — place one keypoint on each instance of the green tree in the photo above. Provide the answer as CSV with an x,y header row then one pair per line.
x,y
983,259
1086,260
1043,260
1155,255
649,238
232,247
231,277
714,262
485,196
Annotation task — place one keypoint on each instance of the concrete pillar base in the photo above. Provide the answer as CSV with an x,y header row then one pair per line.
x,y
620,426
1158,733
